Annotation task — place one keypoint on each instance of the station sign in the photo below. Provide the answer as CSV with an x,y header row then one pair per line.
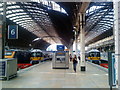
x,y
112,69
12,31
60,47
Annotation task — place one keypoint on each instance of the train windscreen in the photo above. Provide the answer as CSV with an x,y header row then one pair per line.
x,y
36,54
8,53
94,54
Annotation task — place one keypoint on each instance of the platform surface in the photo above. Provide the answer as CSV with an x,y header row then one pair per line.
x,y
43,76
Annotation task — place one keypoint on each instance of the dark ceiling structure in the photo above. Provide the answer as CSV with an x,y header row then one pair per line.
x,y
99,21
53,22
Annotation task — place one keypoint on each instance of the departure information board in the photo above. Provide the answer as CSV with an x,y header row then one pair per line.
x,y
60,53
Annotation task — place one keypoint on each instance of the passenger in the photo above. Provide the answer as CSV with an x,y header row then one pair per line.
x,y
75,63
70,57
60,60
79,57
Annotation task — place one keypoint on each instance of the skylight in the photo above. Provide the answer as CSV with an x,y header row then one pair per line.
x,y
54,5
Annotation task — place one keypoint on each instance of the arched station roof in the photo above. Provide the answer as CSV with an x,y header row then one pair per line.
x,y
56,21
41,19
99,21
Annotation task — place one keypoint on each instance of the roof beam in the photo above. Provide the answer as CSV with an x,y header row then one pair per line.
x,y
82,9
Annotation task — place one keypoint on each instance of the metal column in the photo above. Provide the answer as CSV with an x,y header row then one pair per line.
x,y
82,41
117,39
0,37
4,29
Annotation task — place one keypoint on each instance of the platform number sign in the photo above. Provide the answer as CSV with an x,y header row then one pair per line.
x,y
13,32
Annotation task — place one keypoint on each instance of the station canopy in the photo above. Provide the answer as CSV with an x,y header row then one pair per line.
x,y
52,22
99,21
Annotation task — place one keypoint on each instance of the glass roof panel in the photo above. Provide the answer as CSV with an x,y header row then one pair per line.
x,y
11,7
100,21
11,15
1,4
1,9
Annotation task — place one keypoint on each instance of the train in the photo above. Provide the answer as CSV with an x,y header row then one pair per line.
x,y
36,56
23,57
93,56
26,58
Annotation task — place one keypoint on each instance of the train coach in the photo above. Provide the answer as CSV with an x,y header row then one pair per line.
x,y
23,57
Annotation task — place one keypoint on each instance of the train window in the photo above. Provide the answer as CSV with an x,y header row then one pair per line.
x,y
97,54
8,53
94,54
36,54
91,54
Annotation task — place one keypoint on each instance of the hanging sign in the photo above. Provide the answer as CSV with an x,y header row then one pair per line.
x,y
13,32
60,47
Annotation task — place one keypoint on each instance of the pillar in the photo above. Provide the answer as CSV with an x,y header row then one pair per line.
x,y
71,50
75,42
82,41
0,37
117,40
4,29
76,45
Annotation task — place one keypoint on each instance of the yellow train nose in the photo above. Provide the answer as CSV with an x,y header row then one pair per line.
x,y
35,58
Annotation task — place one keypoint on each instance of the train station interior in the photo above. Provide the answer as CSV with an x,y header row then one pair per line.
x,y
60,44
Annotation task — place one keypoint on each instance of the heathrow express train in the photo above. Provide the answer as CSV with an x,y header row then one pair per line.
x,y
36,56
33,56
94,56
23,57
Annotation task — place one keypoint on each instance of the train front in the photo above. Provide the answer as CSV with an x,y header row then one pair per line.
x,y
36,56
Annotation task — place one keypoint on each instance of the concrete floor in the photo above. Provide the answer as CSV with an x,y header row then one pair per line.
x,y
43,76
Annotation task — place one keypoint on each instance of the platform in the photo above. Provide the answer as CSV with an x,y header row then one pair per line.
x,y
43,76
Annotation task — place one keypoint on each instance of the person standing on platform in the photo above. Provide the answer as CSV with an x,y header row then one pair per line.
x,y
75,63
70,57
79,57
